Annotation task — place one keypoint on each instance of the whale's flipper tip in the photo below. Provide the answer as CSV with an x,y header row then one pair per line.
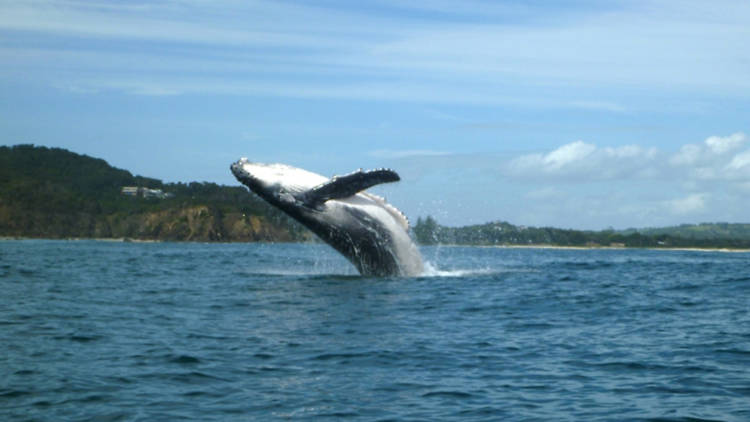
x,y
350,184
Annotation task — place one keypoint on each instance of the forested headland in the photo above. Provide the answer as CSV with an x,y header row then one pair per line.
x,y
54,193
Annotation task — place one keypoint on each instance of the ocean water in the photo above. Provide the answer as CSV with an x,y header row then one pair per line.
x,y
109,331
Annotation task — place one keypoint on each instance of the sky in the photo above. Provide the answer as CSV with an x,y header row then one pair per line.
x,y
575,113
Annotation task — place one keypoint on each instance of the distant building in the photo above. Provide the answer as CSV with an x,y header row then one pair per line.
x,y
145,192
130,190
152,193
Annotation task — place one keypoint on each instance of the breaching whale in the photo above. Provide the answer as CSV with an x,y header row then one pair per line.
x,y
369,232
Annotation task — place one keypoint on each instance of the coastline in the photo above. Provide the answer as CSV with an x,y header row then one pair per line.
x,y
76,239
134,240
586,248
448,245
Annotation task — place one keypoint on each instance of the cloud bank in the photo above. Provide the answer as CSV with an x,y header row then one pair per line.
x,y
716,158
583,185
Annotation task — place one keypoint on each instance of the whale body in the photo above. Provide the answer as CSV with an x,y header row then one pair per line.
x,y
369,232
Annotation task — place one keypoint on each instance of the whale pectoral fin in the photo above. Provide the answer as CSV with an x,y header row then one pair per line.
x,y
349,184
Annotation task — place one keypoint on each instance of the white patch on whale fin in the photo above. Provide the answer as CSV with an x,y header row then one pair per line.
x,y
339,187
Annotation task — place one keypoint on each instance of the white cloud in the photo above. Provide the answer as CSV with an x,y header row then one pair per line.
x,y
722,145
713,148
567,155
691,204
740,162
715,159
583,161
718,158
688,155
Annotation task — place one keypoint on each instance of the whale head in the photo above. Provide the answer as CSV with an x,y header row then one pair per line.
x,y
279,184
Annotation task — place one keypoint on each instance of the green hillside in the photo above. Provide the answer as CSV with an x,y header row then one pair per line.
x,y
55,193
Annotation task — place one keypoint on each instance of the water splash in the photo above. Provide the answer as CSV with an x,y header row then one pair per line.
x,y
430,270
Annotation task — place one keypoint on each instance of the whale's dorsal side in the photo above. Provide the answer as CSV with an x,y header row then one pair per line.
x,y
339,187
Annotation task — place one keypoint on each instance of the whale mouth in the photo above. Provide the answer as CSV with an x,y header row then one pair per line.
x,y
243,169
238,167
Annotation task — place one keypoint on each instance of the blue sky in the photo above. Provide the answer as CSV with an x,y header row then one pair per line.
x,y
577,114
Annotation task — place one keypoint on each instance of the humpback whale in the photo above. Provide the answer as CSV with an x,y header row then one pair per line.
x,y
369,232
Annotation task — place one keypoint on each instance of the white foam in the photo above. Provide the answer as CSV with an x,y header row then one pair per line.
x,y
432,271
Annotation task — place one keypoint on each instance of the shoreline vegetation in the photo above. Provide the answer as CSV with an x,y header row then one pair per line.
x,y
532,246
52,193
704,236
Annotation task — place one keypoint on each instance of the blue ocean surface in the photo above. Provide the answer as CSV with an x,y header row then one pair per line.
x,y
112,331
